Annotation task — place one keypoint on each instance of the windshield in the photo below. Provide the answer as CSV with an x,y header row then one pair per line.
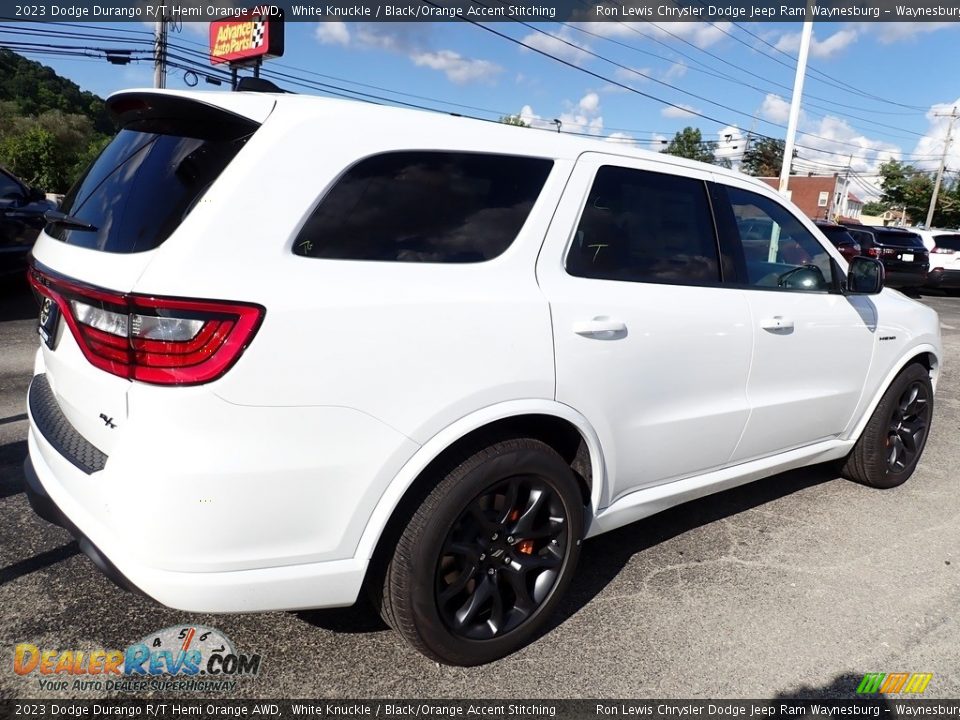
x,y
141,187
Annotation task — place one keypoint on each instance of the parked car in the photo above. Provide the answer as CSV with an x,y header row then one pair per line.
x,y
944,247
902,253
276,370
841,238
21,218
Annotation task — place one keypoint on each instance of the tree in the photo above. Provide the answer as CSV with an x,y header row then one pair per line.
x,y
906,186
875,208
688,143
514,120
764,157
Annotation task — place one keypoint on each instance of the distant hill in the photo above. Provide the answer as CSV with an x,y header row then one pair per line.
x,y
35,89
50,129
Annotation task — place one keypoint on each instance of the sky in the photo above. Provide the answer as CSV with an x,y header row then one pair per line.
x,y
874,91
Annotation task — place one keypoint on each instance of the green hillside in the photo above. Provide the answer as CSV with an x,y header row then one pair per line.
x,y
49,128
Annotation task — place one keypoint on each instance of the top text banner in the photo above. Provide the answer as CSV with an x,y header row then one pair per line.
x,y
486,11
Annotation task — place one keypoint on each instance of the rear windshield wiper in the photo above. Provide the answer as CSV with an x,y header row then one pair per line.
x,y
55,217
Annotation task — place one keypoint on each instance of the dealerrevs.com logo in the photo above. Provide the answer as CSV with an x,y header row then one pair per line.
x,y
185,658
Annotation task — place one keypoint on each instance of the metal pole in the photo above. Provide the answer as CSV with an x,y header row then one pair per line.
x,y
160,54
795,102
943,162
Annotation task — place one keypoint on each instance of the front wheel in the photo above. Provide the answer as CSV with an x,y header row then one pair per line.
x,y
486,557
891,444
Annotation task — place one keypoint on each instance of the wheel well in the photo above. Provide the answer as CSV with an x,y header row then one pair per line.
x,y
929,361
562,435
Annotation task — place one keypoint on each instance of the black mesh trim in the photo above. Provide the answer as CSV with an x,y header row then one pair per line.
x,y
54,426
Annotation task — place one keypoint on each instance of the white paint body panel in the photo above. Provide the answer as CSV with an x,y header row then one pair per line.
x,y
269,487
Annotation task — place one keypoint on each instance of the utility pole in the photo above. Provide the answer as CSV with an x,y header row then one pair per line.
x,y
797,97
943,162
160,54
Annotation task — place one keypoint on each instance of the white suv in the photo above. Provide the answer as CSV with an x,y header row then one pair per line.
x,y
944,247
294,347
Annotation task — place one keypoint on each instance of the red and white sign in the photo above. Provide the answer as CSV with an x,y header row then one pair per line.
x,y
250,37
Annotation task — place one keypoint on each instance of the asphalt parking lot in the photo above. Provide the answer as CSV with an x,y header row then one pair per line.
x,y
794,586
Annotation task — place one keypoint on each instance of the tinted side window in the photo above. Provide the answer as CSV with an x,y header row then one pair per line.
x,y
9,188
439,207
645,227
861,236
779,251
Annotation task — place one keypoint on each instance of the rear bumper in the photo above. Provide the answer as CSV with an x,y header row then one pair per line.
x,y
323,584
940,278
273,524
905,279
47,509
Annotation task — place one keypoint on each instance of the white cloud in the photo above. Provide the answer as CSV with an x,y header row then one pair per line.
x,y
701,34
930,146
631,75
621,138
819,48
675,71
458,69
775,109
582,117
554,45
589,103
830,143
891,32
332,33
682,111
658,142
412,40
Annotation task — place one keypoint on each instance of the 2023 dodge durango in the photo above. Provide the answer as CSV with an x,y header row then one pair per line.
x,y
288,356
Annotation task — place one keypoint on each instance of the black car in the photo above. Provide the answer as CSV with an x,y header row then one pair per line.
x,y
905,258
841,239
21,219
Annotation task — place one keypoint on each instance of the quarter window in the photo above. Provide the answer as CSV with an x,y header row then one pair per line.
x,y
779,251
645,227
435,207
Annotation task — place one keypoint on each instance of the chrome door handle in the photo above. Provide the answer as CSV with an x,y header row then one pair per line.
x,y
777,322
601,328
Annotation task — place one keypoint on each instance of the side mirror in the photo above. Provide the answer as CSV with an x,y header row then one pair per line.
x,y
865,276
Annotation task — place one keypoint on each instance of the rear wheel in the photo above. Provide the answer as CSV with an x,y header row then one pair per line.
x,y
892,442
484,560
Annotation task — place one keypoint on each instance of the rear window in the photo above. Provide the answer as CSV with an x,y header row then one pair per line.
x,y
900,239
836,235
434,207
144,183
948,242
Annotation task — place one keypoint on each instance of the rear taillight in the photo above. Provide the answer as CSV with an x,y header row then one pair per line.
x,y
161,340
873,252
943,251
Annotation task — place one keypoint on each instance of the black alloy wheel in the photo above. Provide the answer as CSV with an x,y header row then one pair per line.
x,y
501,558
909,423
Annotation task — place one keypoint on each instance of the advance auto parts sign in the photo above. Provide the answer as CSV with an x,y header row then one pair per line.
x,y
251,36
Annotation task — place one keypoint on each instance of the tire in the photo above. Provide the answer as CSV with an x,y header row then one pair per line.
x,y
485,559
893,440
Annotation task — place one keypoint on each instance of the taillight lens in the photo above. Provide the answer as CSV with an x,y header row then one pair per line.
x,y
873,252
943,251
160,340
